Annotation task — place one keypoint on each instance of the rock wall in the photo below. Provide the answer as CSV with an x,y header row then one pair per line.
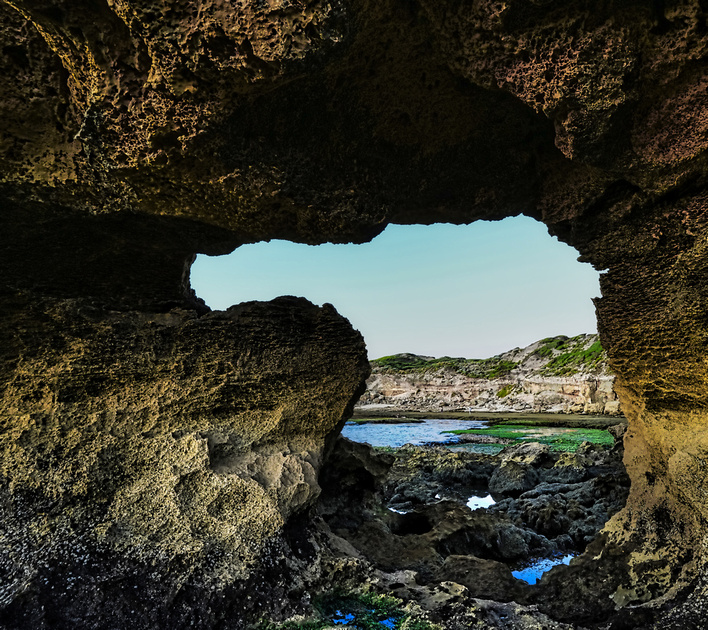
x,y
168,447
136,134
446,392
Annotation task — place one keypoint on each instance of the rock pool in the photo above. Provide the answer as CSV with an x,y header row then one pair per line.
x,y
533,572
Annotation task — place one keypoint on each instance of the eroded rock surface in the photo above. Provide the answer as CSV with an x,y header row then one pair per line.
x,y
396,523
556,375
137,134
169,446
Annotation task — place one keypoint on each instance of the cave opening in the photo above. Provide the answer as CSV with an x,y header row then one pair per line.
x,y
517,305
443,290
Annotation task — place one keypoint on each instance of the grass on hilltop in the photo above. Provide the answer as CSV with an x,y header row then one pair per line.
x,y
478,368
566,356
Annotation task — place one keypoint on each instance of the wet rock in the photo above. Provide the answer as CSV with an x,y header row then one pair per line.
x,y
581,593
568,468
423,475
485,579
513,542
357,464
529,454
568,511
487,614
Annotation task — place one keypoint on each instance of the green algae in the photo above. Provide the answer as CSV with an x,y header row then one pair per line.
x,y
559,439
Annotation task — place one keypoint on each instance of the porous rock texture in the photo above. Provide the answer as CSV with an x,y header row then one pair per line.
x,y
136,134
152,450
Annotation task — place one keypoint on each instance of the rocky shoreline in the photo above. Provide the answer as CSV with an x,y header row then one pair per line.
x,y
161,465
401,520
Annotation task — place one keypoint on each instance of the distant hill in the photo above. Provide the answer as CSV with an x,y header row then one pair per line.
x,y
556,374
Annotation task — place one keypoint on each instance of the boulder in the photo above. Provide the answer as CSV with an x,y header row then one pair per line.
x,y
528,453
511,478
169,447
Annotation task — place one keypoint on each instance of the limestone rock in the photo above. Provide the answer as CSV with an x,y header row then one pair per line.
x,y
511,478
557,375
134,436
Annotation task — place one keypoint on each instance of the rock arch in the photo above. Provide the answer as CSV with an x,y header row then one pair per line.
x,y
135,135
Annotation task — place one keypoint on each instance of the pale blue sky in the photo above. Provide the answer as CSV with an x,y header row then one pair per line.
x,y
458,290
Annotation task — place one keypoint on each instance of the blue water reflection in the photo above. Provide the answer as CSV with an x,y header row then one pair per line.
x,y
430,431
532,573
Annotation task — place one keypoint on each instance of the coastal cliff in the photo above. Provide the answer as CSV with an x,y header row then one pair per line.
x,y
554,375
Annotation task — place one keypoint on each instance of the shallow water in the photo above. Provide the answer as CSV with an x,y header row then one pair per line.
x,y
342,618
484,449
533,572
417,433
345,618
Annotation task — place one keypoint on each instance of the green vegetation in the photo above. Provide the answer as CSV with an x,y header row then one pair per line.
x,y
565,356
506,432
561,439
550,344
502,368
570,441
570,362
366,611
568,355
479,368
505,391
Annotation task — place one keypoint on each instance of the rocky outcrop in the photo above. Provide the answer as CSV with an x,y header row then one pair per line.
x,y
169,447
137,134
429,537
556,375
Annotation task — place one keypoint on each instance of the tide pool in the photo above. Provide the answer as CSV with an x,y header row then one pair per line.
x,y
533,572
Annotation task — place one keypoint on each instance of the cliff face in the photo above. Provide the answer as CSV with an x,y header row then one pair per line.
x,y
137,134
555,375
